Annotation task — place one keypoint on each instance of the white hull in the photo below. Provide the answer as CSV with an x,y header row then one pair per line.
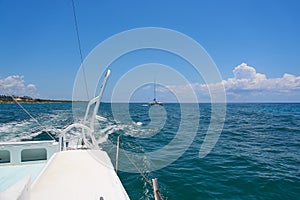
x,y
71,174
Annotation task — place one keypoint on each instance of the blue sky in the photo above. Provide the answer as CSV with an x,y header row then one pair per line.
x,y
255,44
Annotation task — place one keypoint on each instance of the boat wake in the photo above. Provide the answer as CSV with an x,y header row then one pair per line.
x,y
29,129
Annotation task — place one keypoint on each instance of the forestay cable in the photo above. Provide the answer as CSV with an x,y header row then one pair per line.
x,y
80,50
142,174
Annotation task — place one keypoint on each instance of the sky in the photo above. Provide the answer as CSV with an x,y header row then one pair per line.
x,y
254,44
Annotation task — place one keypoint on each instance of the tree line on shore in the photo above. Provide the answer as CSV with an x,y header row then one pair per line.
x,y
5,98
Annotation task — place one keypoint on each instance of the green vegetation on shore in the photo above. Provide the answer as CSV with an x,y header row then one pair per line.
x,y
27,99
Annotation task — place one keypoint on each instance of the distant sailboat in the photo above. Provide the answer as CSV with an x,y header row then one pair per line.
x,y
155,101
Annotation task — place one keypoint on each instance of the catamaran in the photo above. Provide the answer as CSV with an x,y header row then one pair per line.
x,y
74,167
58,169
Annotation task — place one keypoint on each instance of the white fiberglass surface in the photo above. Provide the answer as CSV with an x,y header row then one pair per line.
x,y
11,174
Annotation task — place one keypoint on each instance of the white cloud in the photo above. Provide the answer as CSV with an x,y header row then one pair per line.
x,y
15,85
31,87
247,84
247,79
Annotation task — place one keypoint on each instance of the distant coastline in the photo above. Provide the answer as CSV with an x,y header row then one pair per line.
x,y
27,99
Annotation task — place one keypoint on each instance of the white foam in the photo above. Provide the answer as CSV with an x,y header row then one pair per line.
x,y
26,129
13,131
139,123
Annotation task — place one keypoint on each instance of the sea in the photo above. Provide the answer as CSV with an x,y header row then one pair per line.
x,y
256,156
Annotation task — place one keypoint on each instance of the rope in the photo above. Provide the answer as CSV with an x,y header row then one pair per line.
x,y
143,175
33,118
136,167
79,46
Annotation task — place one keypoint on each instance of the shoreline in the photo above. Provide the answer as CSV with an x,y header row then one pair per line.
x,y
39,101
70,101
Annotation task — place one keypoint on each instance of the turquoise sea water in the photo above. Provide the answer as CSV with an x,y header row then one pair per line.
x,y
256,157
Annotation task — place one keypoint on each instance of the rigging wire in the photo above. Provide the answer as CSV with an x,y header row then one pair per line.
x,y
142,174
80,49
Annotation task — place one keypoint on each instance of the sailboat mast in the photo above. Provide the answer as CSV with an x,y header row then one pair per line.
x,y
154,89
155,101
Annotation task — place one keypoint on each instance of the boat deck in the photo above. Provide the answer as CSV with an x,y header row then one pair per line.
x,y
10,174
78,174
